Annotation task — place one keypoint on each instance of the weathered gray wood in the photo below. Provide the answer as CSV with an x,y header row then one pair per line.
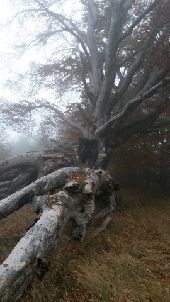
x,y
41,186
18,172
75,201
18,268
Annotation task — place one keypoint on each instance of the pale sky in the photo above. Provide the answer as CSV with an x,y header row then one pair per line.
x,y
14,61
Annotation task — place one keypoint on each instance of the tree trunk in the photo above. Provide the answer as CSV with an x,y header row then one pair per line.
x,y
88,152
76,200
94,153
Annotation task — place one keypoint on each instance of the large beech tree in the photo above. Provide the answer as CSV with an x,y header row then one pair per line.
x,y
121,68
119,58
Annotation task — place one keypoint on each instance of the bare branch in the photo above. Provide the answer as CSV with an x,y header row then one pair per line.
x,y
92,45
24,11
43,184
71,28
61,115
84,72
49,106
133,68
129,77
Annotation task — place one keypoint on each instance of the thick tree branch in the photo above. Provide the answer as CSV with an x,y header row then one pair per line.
x,y
93,49
131,72
24,11
119,12
155,77
140,125
130,107
20,171
141,82
148,79
44,184
139,19
125,83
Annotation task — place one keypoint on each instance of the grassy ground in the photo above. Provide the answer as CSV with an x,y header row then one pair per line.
x,y
130,261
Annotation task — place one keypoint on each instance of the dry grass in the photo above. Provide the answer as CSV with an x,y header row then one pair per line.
x,y
130,261
12,228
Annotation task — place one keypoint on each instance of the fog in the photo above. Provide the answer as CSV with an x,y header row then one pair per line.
x,y
16,58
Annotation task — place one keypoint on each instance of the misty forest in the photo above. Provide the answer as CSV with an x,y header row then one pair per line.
x,y
85,151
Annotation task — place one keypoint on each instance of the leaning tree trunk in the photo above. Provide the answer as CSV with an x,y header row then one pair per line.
x,y
57,197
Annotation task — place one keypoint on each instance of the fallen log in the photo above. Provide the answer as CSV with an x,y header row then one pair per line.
x,y
17,270
75,200
41,186
20,171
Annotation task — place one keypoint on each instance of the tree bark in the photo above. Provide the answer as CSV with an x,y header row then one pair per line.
x,y
76,200
17,270
20,171
41,186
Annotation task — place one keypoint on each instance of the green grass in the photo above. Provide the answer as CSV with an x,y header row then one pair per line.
x,y
130,261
